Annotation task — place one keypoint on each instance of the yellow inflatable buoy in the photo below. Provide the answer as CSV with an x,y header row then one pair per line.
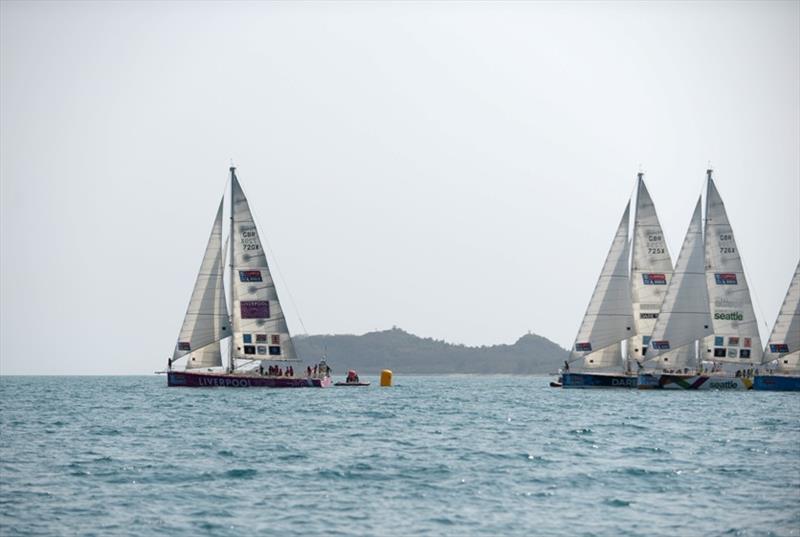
x,y
386,377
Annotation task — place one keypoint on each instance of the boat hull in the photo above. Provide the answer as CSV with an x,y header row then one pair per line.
x,y
597,380
208,380
777,383
657,381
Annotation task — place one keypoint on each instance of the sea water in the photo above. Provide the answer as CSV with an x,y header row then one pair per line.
x,y
446,455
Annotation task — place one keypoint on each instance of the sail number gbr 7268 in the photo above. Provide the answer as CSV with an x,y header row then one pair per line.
x,y
724,237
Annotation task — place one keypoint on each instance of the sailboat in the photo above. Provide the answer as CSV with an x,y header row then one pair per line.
x,y
256,327
625,303
783,347
707,311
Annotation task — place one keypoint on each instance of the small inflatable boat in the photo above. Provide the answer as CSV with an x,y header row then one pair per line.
x,y
352,380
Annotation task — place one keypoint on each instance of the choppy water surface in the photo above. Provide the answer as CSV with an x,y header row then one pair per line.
x,y
432,455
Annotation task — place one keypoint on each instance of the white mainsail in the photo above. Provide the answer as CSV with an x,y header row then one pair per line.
x,y
651,271
259,327
735,335
784,342
206,320
608,319
685,316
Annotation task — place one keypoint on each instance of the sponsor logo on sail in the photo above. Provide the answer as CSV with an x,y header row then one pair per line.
x,y
661,345
250,276
254,309
583,347
729,316
654,279
184,346
648,315
725,278
744,353
779,347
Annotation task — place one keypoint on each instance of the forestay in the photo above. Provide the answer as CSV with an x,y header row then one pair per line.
x,y
608,319
685,315
651,271
259,326
735,327
784,342
206,320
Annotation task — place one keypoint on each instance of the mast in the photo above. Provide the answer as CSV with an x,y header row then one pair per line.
x,y
705,213
632,340
230,240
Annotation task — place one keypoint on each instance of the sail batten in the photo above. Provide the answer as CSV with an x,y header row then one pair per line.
x,y
206,321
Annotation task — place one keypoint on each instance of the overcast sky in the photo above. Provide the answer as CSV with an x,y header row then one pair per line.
x,y
455,169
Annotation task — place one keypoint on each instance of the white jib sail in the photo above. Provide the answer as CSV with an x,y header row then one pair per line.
x,y
608,319
784,342
206,320
607,358
651,271
208,356
685,316
736,337
260,331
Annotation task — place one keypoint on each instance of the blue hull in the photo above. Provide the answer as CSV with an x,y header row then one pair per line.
x,y
598,380
776,383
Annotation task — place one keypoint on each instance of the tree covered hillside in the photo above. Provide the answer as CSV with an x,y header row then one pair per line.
x,y
402,352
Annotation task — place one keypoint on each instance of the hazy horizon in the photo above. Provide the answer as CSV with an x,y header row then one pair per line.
x,y
454,169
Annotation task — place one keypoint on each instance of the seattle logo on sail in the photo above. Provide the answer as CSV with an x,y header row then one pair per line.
x,y
654,279
725,278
